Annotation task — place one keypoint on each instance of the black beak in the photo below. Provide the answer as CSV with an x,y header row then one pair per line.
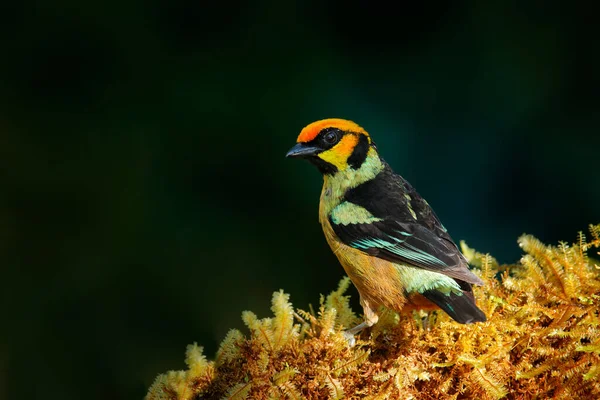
x,y
303,150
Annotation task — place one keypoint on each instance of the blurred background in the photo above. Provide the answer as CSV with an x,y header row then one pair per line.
x,y
145,200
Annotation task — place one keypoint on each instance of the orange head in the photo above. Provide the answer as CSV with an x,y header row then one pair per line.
x,y
332,145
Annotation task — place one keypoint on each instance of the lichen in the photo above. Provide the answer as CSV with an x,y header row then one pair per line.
x,y
541,340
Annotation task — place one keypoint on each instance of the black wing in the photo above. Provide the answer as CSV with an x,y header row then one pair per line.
x,y
406,229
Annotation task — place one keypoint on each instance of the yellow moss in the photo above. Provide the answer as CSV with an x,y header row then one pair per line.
x,y
336,300
229,348
541,340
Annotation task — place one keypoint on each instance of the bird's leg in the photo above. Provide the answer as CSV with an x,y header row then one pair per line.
x,y
371,319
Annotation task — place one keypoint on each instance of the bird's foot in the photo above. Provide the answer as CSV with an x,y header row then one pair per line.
x,y
349,333
349,336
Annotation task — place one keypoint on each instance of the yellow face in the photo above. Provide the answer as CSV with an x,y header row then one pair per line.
x,y
332,145
338,155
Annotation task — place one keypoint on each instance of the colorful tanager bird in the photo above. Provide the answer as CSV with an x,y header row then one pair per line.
x,y
386,236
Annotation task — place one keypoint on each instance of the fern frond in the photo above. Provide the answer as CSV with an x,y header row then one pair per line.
x,y
595,231
195,360
336,299
593,348
470,360
284,375
582,246
533,372
545,350
262,362
336,391
260,329
476,258
161,389
532,271
570,275
307,318
170,386
327,321
544,255
489,383
400,381
489,267
282,326
229,350
290,391
309,321
574,368
344,366
239,392
385,375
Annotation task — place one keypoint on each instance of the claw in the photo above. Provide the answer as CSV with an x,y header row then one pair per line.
x,y
349,338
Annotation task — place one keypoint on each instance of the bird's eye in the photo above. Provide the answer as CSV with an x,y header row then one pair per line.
x,y
331,137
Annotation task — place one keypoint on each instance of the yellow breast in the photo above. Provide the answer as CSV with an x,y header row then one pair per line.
x,y
377,280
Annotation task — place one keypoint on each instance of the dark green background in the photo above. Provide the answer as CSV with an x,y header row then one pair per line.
x,y
145,200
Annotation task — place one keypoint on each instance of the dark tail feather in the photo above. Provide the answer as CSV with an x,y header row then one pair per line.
x,y
461,308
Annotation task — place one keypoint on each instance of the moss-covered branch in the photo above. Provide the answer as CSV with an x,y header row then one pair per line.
x,y
542,340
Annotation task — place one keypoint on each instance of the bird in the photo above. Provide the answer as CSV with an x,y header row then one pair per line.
x,y
387,238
